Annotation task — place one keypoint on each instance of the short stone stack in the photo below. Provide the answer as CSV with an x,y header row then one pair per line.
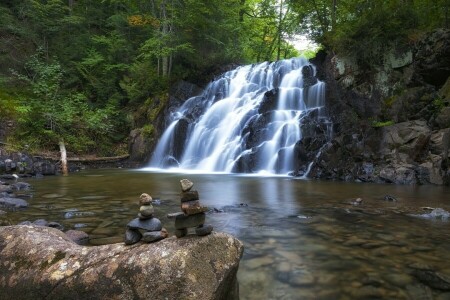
x,y
193,215
145,227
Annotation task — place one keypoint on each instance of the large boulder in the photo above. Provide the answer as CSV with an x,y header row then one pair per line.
x,y
41,262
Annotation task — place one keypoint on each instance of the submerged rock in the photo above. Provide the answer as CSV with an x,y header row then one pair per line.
x,y
189,268
8,202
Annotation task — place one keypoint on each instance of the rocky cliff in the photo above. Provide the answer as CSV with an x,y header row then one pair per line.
x,y
391,121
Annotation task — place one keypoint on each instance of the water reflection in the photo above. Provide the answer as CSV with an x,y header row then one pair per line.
x,y
303,239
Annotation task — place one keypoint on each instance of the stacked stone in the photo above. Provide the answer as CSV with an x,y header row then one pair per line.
x,y
193,215
145,227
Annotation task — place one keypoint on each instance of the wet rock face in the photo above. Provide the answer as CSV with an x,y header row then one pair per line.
x,y
23,164
433,57
189,268
390,123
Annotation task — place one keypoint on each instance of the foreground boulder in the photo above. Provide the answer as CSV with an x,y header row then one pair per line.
x,y
41,262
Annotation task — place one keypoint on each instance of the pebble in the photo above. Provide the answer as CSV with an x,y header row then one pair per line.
x,y
146,210
354,242
290,256
400,280
186,185
368,292
302,279
259,262
419,291
145,199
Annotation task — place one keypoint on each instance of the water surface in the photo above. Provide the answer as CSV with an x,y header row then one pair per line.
x,y
303,239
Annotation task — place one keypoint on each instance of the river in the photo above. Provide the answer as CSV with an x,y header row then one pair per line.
x,y
304,239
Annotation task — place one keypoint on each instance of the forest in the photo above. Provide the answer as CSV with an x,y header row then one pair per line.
x,y
77,71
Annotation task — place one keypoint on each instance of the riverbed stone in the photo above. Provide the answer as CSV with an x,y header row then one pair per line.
x,y
400,280
419,291
186,221
12,203
433,279
152,224
186,185
190,268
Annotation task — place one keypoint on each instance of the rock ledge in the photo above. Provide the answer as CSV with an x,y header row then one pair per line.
x,y
41,262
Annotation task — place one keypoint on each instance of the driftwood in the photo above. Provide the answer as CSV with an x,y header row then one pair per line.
x,y
91,159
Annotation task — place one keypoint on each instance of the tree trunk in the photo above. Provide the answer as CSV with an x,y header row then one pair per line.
x,y
280,29
333,14
62,149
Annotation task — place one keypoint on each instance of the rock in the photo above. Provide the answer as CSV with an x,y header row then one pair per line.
x,y
146,210
419,291
21,186
132,236
139,145
433,57
443,118
186,185
192,207
186,221
152,236
55,225
152,224
189,196
145,199
6,189
78,237
357,201
389,198
8,202
433,279
174,215
40,222
181,232
204,230
2,212
57,268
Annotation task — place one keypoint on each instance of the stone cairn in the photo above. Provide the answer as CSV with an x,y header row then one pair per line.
x,y
193,215
145,227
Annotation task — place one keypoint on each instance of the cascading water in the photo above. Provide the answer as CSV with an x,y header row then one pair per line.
x,y
249,120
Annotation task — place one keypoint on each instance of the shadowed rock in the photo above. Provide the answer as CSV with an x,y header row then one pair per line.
x,y
40,262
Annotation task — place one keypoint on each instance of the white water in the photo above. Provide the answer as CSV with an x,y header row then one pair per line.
x,y
217,139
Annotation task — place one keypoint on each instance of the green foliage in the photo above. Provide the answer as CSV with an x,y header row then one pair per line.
x,y
362,29
51,113
378,124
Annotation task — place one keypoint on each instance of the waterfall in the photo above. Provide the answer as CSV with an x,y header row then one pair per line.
x,y
248,120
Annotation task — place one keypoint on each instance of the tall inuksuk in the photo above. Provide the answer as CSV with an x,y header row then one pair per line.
x,y
193,213
145,227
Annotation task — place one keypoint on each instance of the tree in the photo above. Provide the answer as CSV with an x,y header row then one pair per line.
x,y
53,116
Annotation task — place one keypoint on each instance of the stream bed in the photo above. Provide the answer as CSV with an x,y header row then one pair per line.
x,y
304,239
